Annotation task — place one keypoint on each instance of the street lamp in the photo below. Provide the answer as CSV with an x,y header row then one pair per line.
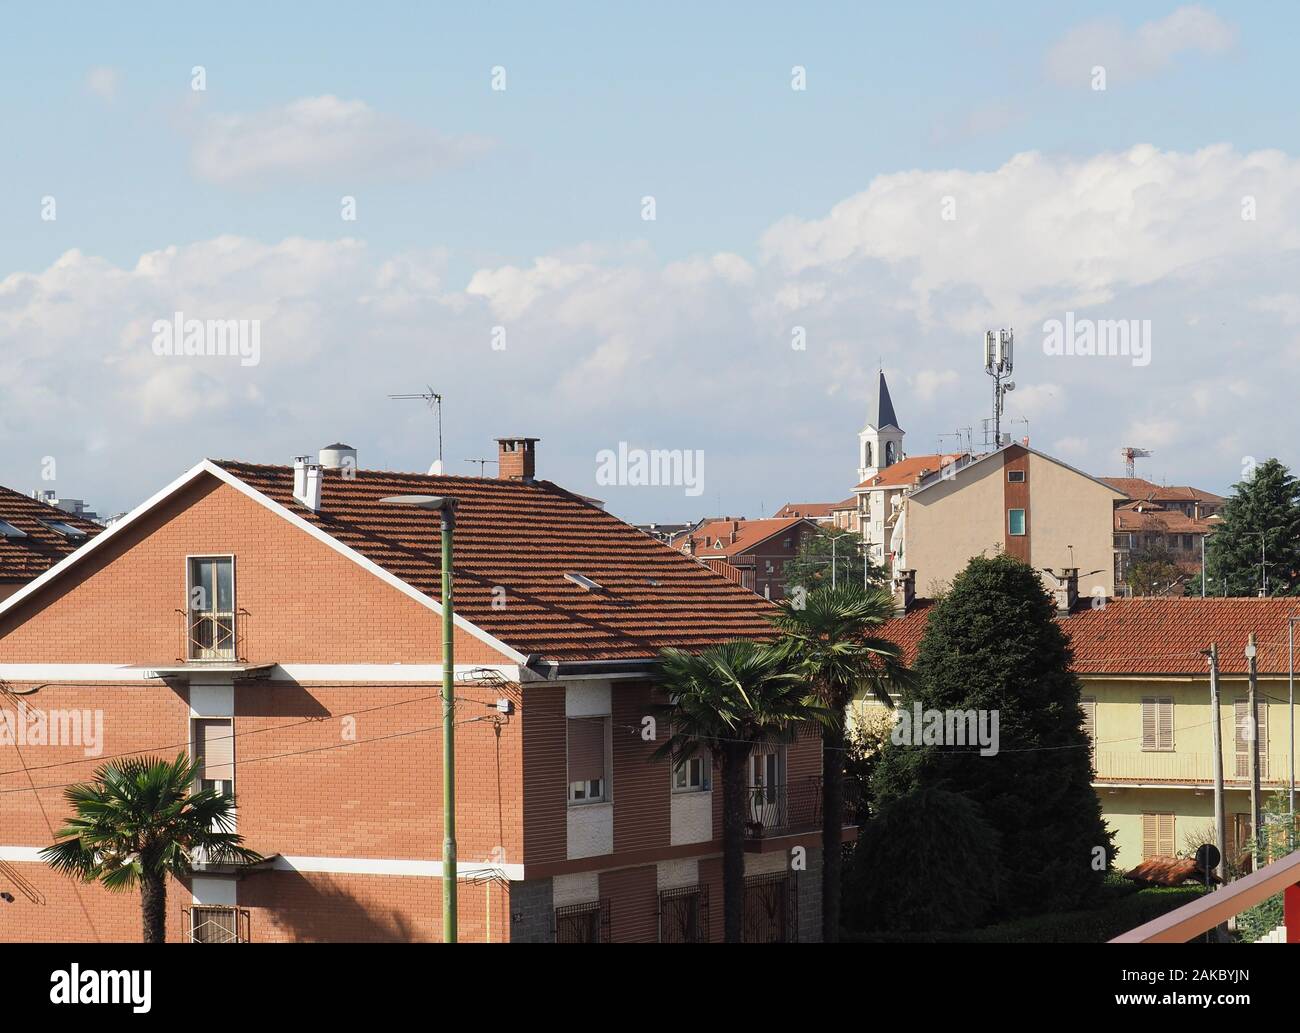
x,y
446,507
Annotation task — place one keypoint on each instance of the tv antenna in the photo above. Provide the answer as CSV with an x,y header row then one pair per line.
x,y
998,347
1131,453
434,401
482,465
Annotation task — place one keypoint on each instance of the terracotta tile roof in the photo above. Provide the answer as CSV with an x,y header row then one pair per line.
x,y
907,472
25,559
1168,871
811,510
1141,488
525,538
715,538
1158,635
1166,521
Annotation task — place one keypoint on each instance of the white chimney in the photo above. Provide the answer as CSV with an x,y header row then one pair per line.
x,y
300,475
308,478
1066,592
340,457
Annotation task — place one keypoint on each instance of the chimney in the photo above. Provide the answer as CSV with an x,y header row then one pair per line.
x,y
300,476
904,590
517,459
307,483
340,457
1066,591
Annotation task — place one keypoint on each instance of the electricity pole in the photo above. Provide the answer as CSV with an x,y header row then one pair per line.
x,y
1220,833
1253,719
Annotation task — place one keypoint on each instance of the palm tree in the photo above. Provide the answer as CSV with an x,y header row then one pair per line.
x,y
140,822
830,640
729,699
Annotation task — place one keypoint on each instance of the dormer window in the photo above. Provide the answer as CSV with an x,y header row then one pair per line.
x,y
210,608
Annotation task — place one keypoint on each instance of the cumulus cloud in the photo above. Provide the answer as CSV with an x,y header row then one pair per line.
x,y
764,360
317,138
1131,54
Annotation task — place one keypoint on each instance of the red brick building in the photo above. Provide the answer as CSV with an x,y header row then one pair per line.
x,y
752,553
283,624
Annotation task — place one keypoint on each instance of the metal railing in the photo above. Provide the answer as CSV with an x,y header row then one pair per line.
x,y
1176,766
791,806
208,636
212,924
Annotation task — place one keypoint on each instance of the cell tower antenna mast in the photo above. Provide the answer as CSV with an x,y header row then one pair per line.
x,y
999,346
434,401
1131,453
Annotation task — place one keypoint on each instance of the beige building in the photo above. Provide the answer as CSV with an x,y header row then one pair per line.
x,y
1014,500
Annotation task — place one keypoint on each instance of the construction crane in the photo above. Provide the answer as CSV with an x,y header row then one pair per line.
x,y
1130,453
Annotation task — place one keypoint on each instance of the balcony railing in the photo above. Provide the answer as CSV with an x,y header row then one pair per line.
x,y
1177,766
216,924
213,636
791,807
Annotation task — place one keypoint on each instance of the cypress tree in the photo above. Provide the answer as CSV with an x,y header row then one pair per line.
x,y
992,644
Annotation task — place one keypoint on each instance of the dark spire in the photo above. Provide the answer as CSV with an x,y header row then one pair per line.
x,y
880,413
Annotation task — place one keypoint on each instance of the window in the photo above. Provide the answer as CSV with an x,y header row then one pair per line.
x,y
1123,541
1187,542
217,925
588,740
1016,476
1157,723
214,752
583,923
684,915
1157,834
67,530
1015,521
7,530
1244,735
211,606
691,775
1089,704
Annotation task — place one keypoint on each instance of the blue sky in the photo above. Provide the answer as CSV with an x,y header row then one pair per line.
x,y
521,208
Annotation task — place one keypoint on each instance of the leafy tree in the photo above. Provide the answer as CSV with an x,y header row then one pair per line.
x,y
993,645
831,549
832,640
929,861
140,822
1152,572
728,700
1264,506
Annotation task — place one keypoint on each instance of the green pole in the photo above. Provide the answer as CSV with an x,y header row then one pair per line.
x,y
448,734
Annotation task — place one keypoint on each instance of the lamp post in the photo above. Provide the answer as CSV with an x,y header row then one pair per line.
x,y
446,507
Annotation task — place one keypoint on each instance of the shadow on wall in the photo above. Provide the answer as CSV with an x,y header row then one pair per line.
x,y
319,910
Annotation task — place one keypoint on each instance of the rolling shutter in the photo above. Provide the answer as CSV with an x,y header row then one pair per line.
x,y
216,747
586,748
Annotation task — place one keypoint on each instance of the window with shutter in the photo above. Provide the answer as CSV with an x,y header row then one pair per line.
x,y
1089,705
214,752
1157,834
1157,723
1244,735
587,776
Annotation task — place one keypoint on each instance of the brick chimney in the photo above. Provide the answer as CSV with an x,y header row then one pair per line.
x,y
1066,591
904,591
517,459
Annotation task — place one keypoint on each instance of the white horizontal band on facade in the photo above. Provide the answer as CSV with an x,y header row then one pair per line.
x,y
334,865
379,673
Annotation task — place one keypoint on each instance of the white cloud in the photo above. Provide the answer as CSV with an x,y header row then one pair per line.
x,y
321,138
1131,54
104,83
604,345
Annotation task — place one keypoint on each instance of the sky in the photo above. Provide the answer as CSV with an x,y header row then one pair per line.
x,y
663,226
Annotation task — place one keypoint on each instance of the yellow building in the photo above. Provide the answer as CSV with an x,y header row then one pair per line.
x,y
1146,704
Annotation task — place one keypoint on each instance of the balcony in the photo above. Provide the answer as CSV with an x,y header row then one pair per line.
x,y
1179,768
790,808
214,637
